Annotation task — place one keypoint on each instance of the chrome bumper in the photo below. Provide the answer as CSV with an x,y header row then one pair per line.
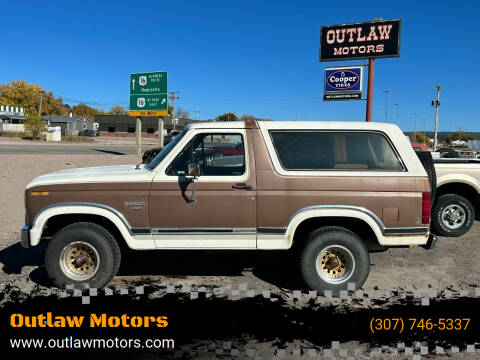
x,y
25,238
432,241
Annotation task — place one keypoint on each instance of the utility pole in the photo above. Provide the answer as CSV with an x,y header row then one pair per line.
x,y
396,110
172,98
386,106
40,107
196,114
436,103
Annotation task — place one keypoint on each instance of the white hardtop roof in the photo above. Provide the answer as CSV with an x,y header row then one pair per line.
x,y
296,125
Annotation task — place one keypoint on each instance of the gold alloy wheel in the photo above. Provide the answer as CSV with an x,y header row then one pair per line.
x,y
335,264
79,261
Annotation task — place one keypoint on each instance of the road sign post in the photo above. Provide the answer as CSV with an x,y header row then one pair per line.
x,y
139,137
160,131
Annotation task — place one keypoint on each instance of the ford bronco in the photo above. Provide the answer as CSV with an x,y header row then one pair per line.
x,y
330,191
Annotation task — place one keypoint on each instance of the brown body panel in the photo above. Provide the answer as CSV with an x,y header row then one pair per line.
x,y
279,197
217,205
114,195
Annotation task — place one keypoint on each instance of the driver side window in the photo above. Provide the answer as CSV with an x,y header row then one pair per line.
x,y
217,154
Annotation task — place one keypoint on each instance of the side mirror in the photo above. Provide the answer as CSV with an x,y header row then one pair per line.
x,y
194,169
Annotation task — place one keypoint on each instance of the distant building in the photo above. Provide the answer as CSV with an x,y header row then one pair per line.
x,y
12,118
124,125
474,144
11,110
70,125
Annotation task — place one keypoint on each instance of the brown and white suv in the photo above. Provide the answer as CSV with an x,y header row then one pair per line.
x,y
333,191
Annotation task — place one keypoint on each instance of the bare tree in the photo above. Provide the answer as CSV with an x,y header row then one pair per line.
x,y
182,114
246,117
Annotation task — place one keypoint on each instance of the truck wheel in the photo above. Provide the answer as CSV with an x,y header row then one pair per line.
x,y
333,257
452,215
82,253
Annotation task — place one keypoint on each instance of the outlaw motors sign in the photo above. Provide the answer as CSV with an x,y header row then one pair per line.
x,y
375,39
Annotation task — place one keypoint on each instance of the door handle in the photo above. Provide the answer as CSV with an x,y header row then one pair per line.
x,y
242,186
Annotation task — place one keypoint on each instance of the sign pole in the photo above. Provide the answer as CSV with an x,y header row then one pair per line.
x,y
370,90
139,136
160,131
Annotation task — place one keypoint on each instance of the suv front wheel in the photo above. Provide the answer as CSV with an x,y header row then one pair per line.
x,y
82,253
333,257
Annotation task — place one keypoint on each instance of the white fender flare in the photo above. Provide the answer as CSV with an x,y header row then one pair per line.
x,y
322,211
105,211
459,178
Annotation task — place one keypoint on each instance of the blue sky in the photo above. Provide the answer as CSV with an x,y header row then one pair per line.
x,y
256,57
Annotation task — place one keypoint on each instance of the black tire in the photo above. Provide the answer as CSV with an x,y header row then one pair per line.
x,y
442,206
89,236
146,158
331,238
427,162
448,153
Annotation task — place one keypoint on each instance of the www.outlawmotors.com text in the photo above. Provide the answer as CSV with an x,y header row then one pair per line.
x,y
70,342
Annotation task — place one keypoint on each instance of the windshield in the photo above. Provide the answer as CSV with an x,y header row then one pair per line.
x,y
166,150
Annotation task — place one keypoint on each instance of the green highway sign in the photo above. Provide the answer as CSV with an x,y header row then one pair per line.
x,y
148,102
148,91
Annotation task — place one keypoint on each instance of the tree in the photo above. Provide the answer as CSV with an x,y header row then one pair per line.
x,y
117,110
35,124
22,94
419,138
83,109
459,135
182,114
228,117
246,117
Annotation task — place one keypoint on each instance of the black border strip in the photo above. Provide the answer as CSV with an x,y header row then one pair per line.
x,y
406,230
271,230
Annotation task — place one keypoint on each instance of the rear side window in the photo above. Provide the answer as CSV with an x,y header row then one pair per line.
x,y
321,150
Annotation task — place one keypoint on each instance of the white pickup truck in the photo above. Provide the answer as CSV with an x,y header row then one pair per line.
x,y
456,203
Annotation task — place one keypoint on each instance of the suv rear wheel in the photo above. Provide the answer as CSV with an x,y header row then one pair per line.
x,y
333,257
452,215
82,253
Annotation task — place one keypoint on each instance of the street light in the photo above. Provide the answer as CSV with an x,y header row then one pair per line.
x,y
386,106
396,110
